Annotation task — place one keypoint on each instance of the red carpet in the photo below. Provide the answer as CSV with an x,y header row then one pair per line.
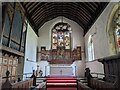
x,y
61,83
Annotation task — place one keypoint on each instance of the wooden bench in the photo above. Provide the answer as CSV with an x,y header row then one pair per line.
x,y
22,85
82,86
102,85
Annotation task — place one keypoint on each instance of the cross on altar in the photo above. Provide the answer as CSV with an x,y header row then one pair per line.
x,y
61,72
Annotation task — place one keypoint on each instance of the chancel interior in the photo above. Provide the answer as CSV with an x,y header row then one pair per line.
x,y
60,45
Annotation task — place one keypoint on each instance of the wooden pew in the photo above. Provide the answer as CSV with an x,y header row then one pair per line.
x,y
82,86
102,85
22,85
111,66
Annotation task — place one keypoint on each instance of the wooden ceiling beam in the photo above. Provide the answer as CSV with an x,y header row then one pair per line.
x,y
77,9
91,5
95,4
31,6
77,15
87,7
39,14
28,5
84,13
38,11
66,8
55,7
80,7
31,22
35,9
25,3
65,14
97,13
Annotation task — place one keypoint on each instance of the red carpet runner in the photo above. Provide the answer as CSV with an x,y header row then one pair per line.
x,y
61,83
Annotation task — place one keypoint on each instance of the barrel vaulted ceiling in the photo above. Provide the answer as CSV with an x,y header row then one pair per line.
x,y
83,13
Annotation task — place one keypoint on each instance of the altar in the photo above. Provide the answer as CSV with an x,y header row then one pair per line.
x,y
61,70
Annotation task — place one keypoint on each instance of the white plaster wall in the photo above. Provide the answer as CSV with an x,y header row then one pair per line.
x,y
77,39
30,51
79,67
100,39
44,66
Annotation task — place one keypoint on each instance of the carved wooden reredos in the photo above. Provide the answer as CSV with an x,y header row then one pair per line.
x,y
61,51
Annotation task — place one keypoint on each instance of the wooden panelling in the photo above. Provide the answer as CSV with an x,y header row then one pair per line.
x,y
9,63
10,50
106,69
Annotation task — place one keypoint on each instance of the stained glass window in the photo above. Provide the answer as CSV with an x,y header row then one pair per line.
x,y
54,39
117,37
61,34
116,30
